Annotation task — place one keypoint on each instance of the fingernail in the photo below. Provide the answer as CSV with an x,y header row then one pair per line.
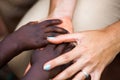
x,y
47,67
51,38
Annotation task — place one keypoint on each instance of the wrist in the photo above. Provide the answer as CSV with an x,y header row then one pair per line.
x,y
8,50
14,42
62,8
66,22
60,15
113,31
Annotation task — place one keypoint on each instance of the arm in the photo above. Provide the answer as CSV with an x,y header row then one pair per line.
x,y
95,49
39,57
63,9
30,36
114,31
8,49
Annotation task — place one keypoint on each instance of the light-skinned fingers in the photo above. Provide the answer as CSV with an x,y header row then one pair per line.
x,y
73,69
83,74
63,59
64,38
79,76
70,71
95,75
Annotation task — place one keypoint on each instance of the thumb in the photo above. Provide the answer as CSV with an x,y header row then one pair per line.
x,y
64,38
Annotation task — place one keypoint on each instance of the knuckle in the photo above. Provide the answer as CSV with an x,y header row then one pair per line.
x,y
44,23
62,30
48,22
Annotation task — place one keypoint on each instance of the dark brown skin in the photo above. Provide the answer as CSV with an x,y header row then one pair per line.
x,y
39,57
30,36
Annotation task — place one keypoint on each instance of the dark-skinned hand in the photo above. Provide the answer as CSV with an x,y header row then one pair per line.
x,y
30,36
39,57
33,35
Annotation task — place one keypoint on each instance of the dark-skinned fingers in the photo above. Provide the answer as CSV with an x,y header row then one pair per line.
x,y
33,57
69,47
51,34
60,48
44,43
50,22
32,23
72,70
50,47
56,29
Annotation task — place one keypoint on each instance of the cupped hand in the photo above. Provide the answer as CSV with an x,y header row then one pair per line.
x,y
93,52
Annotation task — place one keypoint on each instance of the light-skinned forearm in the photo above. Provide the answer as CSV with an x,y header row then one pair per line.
x,y
64,10
114,31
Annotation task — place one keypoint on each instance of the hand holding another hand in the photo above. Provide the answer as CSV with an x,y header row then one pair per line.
x,y
39,57
93,52
33,35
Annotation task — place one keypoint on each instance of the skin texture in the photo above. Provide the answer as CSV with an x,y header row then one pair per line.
x,y
66,16
39,57
66,26
30,36
33,30
64,10
95,49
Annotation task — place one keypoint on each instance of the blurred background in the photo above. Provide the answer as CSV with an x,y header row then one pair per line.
x,y
11,12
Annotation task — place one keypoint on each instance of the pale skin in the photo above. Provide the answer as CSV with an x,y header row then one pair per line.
x,y
89,42
64,10
59,10
95,49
